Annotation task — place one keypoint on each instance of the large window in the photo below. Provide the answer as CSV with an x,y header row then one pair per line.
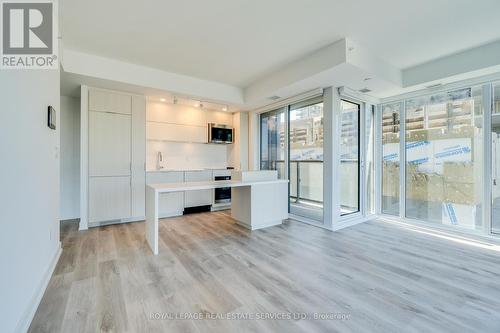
x,y
495,159
306,159
390,158
272,141
443,158
349,158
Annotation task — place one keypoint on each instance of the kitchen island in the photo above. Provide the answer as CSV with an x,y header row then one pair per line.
x,y
258,200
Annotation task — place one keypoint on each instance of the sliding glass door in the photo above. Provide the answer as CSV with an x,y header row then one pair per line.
x,y
306,159
272,141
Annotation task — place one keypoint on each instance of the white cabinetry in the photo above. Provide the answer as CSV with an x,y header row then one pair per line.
x,y
220,117
107,101
115,129
177,132
109,198
169,204
138,162
109,144
200,197
182,123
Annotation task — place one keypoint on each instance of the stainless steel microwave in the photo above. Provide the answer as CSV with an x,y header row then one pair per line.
x,y
220,133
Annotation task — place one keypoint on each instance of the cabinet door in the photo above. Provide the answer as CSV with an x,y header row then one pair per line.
x,y
109,198
105,101
200,197
170,204
176,132
220,117
109,144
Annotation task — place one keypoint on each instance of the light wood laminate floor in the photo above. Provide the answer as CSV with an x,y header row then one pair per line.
x,y
383,277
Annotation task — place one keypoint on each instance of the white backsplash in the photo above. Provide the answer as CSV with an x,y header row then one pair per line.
x,y
186,156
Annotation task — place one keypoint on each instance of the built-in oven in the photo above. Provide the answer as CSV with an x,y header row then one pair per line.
x,y
223,194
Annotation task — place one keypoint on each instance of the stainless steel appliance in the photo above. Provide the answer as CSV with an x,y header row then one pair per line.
x,y
223,194
220,133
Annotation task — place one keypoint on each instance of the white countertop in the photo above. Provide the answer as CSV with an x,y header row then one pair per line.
x,y
195,169
193,186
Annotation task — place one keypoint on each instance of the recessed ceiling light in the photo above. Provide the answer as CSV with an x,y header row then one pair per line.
x,y
224,108
197,104
162,99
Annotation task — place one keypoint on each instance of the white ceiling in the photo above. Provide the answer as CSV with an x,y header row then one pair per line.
x,y
240,41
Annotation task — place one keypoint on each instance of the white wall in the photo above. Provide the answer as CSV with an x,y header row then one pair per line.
x,y
29,196
185,156
70,158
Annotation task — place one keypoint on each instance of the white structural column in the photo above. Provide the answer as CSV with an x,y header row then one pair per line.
x,y
331,162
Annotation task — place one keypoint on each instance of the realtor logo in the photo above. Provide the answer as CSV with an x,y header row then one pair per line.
x,y
29,39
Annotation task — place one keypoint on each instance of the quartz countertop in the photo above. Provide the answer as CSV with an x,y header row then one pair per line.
x,y
194,169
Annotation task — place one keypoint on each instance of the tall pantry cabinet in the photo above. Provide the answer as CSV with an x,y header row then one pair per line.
x,y
113,156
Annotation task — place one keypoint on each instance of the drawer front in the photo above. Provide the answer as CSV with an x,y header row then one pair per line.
x,y
198,176
165,177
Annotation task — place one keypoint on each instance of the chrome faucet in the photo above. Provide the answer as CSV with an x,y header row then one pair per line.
x,y
159,159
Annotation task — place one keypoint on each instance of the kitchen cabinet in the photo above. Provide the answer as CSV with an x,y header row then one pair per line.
x,y
176,114
138,157
176,132
109,198
107,101
169,204
113,156
220,117
199,197
109,144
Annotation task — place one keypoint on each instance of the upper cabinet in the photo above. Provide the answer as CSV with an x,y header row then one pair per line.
x,y
176,114
181,123
105,101
176,132
220,117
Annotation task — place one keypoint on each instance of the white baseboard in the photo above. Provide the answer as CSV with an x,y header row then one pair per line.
x,y
260,226
24,324
104,223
